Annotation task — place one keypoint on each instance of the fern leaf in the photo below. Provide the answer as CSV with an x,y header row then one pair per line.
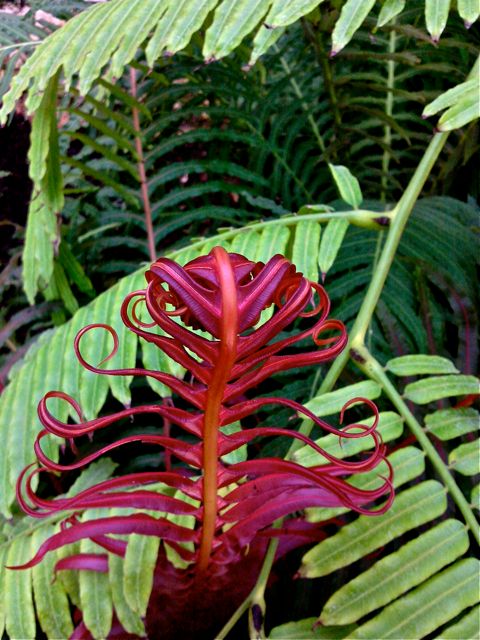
x,y
390,427
38,250
447,424
232,21
420,364
351,17
305,248
466,627
465,459
435,602
407,464
330,403
130,621
390,9
140,561
397,573
469,11
95,596
19,611
273,240
330,244
436,15
177,26
411,508
431,389
51,603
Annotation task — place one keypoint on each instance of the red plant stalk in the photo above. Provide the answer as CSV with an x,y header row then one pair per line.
x,y
222,294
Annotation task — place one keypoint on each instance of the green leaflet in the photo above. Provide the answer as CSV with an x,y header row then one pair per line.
x,y
59,288
305,249
95,346
232,21
467,627
397,573
95,594
122,30
475,497
130,620
126,353
20,615
3,551
430,389
41,235
389,10
407,463
177,26
240,454
420,364
390,427
308,630
244,243
427,607
436,15
139,565
449,98
468,10
105,151
452,423
283,13
17,438
44,164
460,114
411,508
330,243
347,185
333,402
465,459
74,270
351,17
273,240
183,521
96,472
51,603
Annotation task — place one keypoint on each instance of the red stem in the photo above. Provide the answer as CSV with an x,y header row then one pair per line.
x,y
228,322
141,171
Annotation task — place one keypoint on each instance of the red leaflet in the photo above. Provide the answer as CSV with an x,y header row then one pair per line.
x,y
224,295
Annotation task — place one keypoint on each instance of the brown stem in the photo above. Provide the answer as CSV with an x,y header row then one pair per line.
x,y
141,170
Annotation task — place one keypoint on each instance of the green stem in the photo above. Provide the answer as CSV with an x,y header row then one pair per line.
x,y
19,45
400,217
301,97
387,137
325,63
256,595
367,363
360,217
147,207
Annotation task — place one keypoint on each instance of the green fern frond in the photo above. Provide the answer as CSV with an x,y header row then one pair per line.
x,y
413,578
106,37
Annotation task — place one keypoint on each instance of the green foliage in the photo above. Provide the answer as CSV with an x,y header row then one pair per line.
x,y
418,562
397,573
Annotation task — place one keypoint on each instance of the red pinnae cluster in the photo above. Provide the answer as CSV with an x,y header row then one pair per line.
x,y
223,295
